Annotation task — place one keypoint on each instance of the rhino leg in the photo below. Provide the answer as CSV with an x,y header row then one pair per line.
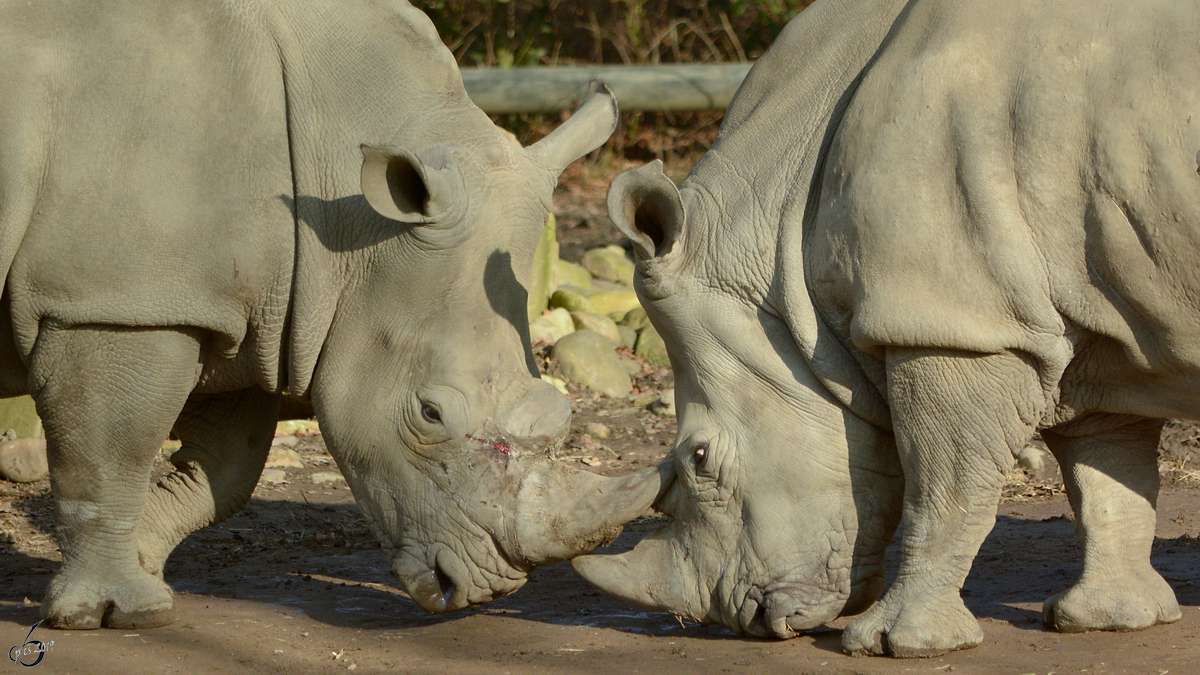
x,y
107,397
226,438
1112,482
956,417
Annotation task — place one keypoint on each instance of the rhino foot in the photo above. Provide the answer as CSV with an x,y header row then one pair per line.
x,y
1132,600
913,628
78,601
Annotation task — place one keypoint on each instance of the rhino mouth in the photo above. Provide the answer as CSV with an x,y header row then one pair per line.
x,y
785,610
441,578
440,581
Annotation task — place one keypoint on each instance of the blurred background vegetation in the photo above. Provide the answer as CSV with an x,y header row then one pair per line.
x,y
508,33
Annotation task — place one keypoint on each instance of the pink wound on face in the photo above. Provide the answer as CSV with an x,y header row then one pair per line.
x,y
498,445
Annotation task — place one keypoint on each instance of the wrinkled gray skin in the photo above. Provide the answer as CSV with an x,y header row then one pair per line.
x,y
202,203
926,230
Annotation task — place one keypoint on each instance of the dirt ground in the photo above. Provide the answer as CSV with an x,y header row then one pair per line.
x,y
294,583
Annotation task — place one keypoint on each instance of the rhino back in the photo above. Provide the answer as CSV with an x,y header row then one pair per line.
x,y
144,168
774,133
751,198
1020,176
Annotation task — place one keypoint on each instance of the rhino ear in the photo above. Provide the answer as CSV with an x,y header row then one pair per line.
x,y
646,206
593,121
400,186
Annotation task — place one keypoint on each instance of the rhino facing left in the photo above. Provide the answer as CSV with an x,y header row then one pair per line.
x,y
926,230
203,203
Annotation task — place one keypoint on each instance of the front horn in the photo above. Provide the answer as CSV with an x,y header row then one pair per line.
x,y
563,512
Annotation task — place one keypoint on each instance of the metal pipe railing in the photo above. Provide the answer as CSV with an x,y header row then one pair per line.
x,y
705,86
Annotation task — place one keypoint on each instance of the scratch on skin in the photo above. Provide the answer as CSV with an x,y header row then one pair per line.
x,y
495,444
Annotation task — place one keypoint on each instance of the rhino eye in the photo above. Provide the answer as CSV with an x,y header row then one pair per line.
x,y
699,454
430,413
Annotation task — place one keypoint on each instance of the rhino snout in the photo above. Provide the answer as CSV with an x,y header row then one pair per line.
x,y
446,584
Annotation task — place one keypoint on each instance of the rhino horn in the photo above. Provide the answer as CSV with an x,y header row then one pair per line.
x,y
563,512
593,121
650,576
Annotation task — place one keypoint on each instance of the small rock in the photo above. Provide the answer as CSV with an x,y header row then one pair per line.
x,y
285,441
628,336
324,477
617,300
571,301
570,274
665,405
558,384
24,460
19,414
632,366
1031,458
273,476
610,263
580,290
1040,463
645,400
599,285
562,322
588,358
585,442
284,458
542,330
597,430
650,346
636,318
590,461
297,428
599,323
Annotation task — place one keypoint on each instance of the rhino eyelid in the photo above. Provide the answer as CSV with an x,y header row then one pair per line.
x,y
700,454
430,413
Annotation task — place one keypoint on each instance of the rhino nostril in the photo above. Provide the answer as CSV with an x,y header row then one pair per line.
x,y
429,587
445,584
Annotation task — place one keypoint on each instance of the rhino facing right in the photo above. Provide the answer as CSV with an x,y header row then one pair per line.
x,y
206,202
927,229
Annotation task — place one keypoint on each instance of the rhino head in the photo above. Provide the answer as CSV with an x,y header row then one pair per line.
x,y
419,365
784,499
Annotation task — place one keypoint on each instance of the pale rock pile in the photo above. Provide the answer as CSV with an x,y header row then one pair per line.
x,y
587,311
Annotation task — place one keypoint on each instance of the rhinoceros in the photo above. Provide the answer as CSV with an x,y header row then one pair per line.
x,y
927,229
205,203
